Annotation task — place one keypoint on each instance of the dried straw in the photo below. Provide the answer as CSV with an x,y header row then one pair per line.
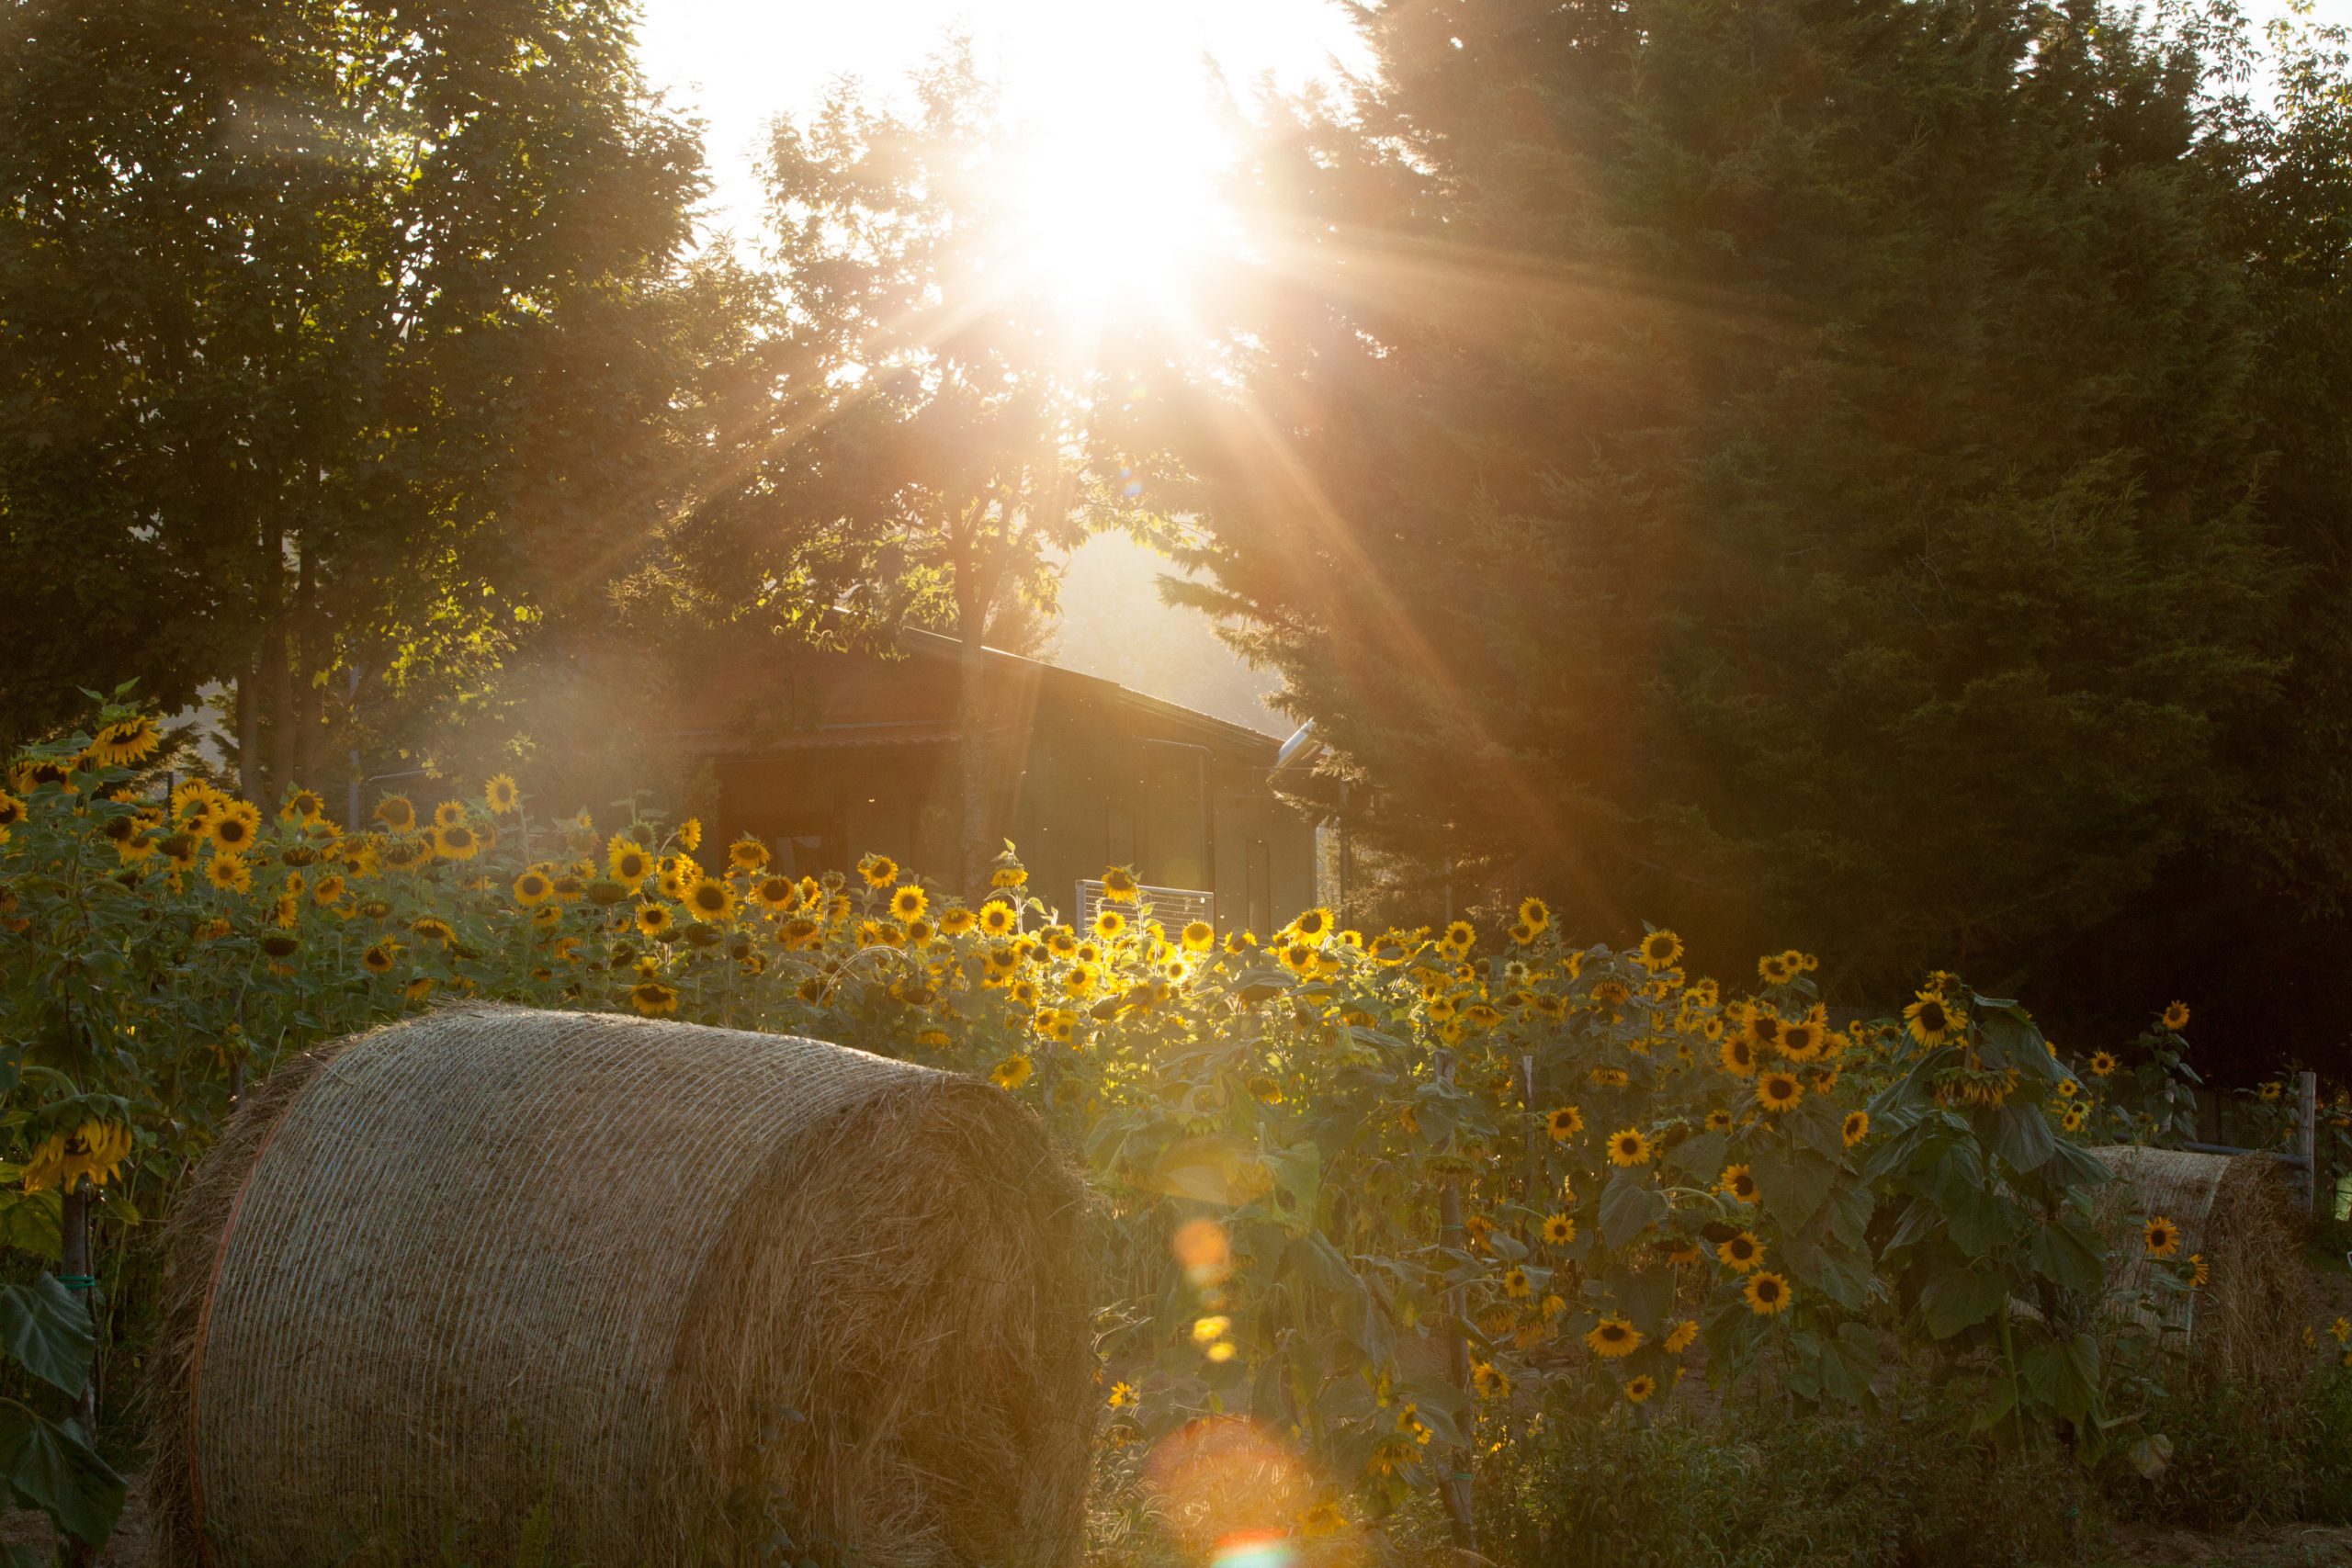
x,y
643,1292
2237,1212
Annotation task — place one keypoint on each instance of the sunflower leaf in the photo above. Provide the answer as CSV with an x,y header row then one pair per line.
x,y
1791,1185
1961,1298
1629,1205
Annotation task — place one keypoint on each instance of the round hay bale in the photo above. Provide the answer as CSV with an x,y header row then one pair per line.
x,y
610,1291
2237,1212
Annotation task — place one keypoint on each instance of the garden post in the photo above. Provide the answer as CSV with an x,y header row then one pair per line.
x,y
76,1275
1455,1487
2307,1136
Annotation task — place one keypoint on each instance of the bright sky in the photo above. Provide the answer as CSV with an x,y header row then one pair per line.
x,y
1125,82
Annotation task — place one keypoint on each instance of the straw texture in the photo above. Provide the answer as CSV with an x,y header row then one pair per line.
x,y
2235,1211
685,1294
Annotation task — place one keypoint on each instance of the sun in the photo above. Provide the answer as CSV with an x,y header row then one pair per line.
x,y
1112,177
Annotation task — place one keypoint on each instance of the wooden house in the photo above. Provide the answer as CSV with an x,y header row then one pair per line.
x,y
827,756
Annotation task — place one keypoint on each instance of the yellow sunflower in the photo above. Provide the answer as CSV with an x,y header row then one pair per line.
x,y
1684,1333
880,871
2163,1237
909,903
690,834
652,997
998,918
1857,1128
1776,1092
748,854
1800,1040
125,741
1559,1230
1628,1147
1740,1252
1931,1021
228,873
1013,1072
1119,885
1109,923
2103,1064
1613,1336
1738,1057
395,813
234,826
1535,914
774,893
1198,936
654,919
2177,1016
710,899
379,957
500,794
1718,1121
1564,1123
956,921
449,814
302,807
1639,1387
1767,1293
533,888
629,862
1517,1285
1736,1184
1660,950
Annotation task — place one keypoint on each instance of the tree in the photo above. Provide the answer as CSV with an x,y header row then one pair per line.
x,y
341,348
935,434
1792,471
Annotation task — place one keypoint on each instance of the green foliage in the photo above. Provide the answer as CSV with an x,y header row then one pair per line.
x,y
337,343
2239,1460
1803,464
1763,1488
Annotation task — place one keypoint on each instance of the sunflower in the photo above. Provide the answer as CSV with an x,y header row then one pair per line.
x,y
998,918
1613,1336
229,874
1119,885
1684,1250
1198,936
2103,1064
533,888
1738,1057
449,814
1773,970
379,957
654,919
710,899
125,741
302,806
2176,1017
1736,1184
234,826
1491,1382
1767,1293
1778,1091
2199,1275
395,813
1800,1040
629,862
652,997
1931,1021
1109,923
1460,936
12,811
1517,1285
1013,1072
2164,1237
956,921
2072,1117
1684,1332
1740,1252
1122,1396
432,929
1628,1147
909,903
774,893
456,842
1660,950
880,871
1857,1127
1559,1230
1718,1121
1639,1387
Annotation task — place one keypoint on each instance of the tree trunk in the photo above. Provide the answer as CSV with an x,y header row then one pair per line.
x,y
279,654
249,724
309,750
972,757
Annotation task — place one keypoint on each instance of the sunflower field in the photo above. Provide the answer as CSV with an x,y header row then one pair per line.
x,y
1380,1204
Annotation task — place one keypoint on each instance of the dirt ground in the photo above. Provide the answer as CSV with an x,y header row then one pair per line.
x,y
2287,1546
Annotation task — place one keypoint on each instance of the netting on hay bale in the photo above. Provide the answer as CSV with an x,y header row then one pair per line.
x,y
2235,1211
685,1294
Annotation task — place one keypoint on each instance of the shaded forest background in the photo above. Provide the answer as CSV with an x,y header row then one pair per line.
x,y
1863,476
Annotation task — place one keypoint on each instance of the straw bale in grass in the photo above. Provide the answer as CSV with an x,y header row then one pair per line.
x,y
647,1292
